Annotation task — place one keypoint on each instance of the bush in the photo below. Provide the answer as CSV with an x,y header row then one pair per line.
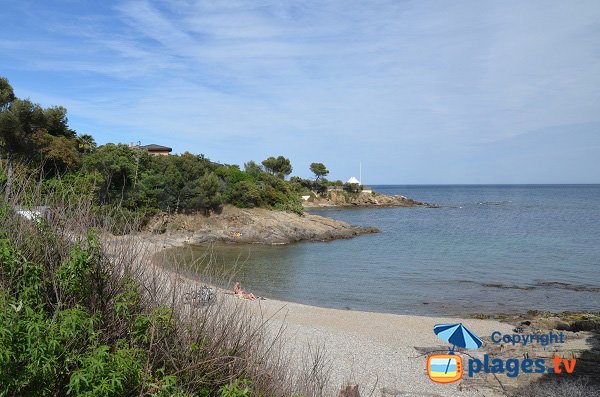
x,y
75,185
121,220
245,194
352,187
80,316
54,339
204,194
291,206
239,388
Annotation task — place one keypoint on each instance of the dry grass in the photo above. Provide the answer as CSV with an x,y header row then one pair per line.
x,y
208,346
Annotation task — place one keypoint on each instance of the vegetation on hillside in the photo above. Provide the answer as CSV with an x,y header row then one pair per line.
x,y
40,145
34,138
84,315
81,312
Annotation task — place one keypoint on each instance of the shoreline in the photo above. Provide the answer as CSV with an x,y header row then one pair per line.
x,y
273,227
163,243
372,349
251,226
342,199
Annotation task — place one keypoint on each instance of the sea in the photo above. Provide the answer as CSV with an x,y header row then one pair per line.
x,y
486,249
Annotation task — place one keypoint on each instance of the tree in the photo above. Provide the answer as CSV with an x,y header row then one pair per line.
x,y
319,170
30,132
204,193
7,94
8,124
86,143
117,165
245,194
279,166
252,168
57,123
21,132
61,152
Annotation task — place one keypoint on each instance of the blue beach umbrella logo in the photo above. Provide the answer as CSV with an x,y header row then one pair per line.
x,y
458,335
447,368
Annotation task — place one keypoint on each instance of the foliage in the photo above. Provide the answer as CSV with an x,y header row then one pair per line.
x,y
252,168
279,166
84,185
101,372
294,206
205,193
352,187
55,341
238,388
123,181
86,143
319,170
38,349
318,186
77,320
245,194
29,132
7,94
117,164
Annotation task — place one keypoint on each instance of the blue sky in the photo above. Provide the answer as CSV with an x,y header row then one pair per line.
x,y
418,91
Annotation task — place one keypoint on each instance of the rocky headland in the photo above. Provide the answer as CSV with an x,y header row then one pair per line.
x,y
363,199
251,225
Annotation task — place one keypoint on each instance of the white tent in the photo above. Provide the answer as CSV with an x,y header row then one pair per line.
x,y
353,180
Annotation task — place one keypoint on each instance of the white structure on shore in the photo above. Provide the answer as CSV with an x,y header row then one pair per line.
x,y
353,180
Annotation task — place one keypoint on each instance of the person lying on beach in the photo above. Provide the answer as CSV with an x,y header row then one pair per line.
x,y
239,292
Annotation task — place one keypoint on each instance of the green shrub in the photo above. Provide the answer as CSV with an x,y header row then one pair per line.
x,y
49,342
121,220
76,273
77,185
104,373
291,206
238,388
245,194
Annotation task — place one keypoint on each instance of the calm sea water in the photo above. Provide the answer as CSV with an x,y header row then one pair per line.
x,y
487,249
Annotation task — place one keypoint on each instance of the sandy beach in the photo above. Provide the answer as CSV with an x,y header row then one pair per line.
x,y
374,350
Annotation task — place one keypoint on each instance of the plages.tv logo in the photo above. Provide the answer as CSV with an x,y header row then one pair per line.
x,y
448,368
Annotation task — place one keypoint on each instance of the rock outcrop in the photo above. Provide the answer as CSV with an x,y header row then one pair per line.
x,y
256,225
346,199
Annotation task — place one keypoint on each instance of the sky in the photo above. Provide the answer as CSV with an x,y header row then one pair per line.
x,y
418,92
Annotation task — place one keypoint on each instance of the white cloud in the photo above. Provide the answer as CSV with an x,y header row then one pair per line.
x,y
315,78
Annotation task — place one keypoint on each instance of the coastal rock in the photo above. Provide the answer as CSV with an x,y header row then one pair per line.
x,y
255,225
347,199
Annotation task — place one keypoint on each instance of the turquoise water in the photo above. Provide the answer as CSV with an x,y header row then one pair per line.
x,y
490,249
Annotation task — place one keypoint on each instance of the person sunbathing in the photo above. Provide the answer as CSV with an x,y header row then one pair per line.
x,y
239,292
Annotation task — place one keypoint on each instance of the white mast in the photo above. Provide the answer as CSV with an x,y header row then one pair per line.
x,y
360,172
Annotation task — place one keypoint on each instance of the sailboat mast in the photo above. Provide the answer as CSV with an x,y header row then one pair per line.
x,y
360,172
